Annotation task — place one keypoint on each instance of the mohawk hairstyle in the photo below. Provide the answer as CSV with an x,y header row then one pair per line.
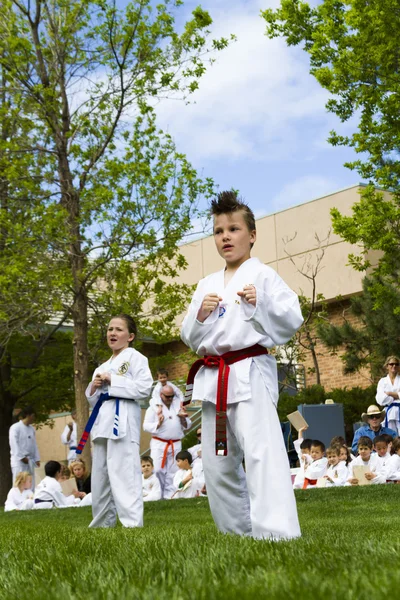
x,y
229,202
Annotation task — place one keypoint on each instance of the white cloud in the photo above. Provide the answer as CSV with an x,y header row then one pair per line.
x,y
254,102
303,189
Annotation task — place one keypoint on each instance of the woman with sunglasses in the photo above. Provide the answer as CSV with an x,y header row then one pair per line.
x,y
388,393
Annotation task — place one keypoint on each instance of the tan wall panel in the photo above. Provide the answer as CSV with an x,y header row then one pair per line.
x,y
212,261
193,254
265,246
49,441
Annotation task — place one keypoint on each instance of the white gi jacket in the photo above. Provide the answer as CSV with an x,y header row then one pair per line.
x,y
50,493
393,468
171,428
372,464
235,325
72,443
131,380
384,386
190,490
316,469
23,443
151,488
339,473
17,500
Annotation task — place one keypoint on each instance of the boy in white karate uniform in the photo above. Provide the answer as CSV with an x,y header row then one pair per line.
x,y
23,446
303,449
48,493
337,473
368,459
393,466
243,310
150,483
319,465
120,383
382,451
185,483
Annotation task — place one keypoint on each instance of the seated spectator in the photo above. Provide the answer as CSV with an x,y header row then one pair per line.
x,y
195,449
368,459
186,485
65,473
303,449
393,466
48,493
381,448
373,419
337,473
346,455
389,439
20,497
82,477
150,482
317,468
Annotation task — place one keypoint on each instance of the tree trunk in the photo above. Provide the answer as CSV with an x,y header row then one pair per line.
x,y
6,420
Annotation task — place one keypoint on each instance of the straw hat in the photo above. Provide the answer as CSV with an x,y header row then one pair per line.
x,y
371,411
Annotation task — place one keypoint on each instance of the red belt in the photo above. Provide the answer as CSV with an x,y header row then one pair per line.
x,y
222,363
168,443
308,482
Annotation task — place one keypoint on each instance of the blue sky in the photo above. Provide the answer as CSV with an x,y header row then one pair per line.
x,y
259,122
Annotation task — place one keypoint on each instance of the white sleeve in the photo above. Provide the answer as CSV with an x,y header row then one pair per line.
x,y
37,455
392,469
137,387
315,471
381,397
178,393
14,443
277,312
155,394
296,445
92,399
177,479
10,502
192,331
150,420
155,492
64,436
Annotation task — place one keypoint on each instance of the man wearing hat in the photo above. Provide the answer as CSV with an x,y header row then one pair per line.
x,y
373,419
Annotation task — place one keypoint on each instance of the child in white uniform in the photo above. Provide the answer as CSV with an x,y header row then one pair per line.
x,y
367,459
319,464
381,448
303,449
116,478
242,310
150,484
20,497
337,473
393,466
185,483
162,380
48,494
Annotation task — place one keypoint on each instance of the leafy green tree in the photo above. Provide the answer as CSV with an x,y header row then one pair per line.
x,y
115,196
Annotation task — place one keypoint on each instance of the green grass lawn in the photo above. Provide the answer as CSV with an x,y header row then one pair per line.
x,y
350,549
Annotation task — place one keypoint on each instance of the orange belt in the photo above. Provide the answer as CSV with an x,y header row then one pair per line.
x,y
168,443
308,482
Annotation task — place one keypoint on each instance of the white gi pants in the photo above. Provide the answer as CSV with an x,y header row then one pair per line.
x,y
165,475
116,483
259,502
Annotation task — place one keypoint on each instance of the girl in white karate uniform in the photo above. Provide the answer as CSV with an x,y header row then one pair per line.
x,y
393,466
20,497
337,473
242,306
116,474
388,393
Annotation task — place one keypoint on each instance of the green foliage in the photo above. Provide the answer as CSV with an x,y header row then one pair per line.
x,y
334,523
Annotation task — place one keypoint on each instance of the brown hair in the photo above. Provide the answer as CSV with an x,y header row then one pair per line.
x,y
333,450
130,323
81,463
395,445
229,202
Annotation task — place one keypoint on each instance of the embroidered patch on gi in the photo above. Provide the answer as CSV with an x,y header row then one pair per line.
x,y
222,311
123,368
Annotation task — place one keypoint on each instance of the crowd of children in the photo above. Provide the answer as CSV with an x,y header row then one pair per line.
x,y
378,461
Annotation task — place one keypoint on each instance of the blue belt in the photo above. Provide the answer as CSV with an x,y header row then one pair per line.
x,y
39,501
93,417
388,410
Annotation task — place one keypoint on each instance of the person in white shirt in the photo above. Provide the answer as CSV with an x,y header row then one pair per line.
x,y
393,466
48,493
150,483
167,422
162,380
337,472
235,316
69,437
319,465
303,448
20,497
382,450
186,484
23,447
195,449
117,387
388,393
367,459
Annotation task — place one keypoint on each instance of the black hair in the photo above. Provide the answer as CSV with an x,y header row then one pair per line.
x,y
52,467
318,444
184,455
387,437
130,323
364,440
380,438
306,444
147,459
162,372
27,411
227,203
